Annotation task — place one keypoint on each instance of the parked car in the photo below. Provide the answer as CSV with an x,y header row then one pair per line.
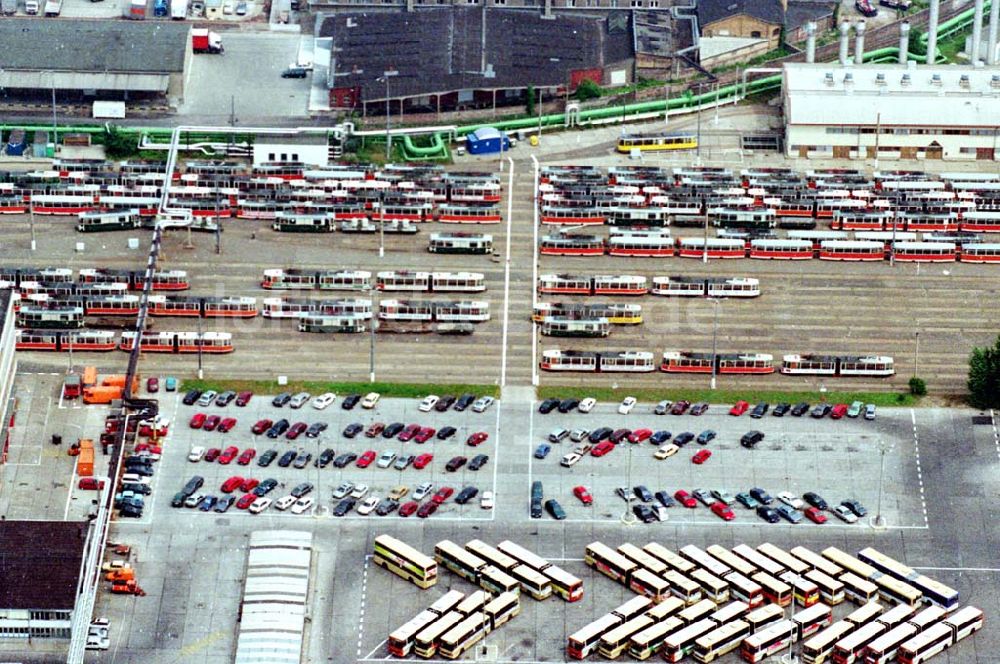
x,y
838,411
350,401
644,513
663,407
683,438
680,407
642,493
225,398
152,384
404,461
281,399
427,509
481,404
370,400
487,500
478,461
266,458
191,397
769,514
368,505
602,448
865,8
800,409
845,514
408,508
761,496
701,456
547,406
815,500
444,403
374,429
278,428
618,435
790,499
751,438
747,501
699,408
554,509
392,430
344,506
583,494
781,409
428,403
287,458
423,490
466,494
207,397
685,499
704,496
422,460
260,426
442,494
739,408
815,515
723,496
397,492
478,438
760,410
386,459
626,406
870,411
343,490
722,511
463,402
706,436
424,434
542,451
315,429
664,498
640,435
407,434
566,405
821,410
666,451
556,435
855,507
444,433
197,420
587,405
243,398
599,434
789,513
246,456
660,437
170,384
570,459
366,459
455,463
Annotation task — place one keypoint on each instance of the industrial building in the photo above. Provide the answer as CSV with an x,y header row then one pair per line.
x,y
441,59
8,367
892,111
307,148
39,573
94,60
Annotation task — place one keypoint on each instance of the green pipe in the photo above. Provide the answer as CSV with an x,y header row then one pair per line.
x,y
955,23
437,150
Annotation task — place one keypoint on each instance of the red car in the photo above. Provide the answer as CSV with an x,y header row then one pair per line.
x,y
232,484
443,494
685,499
261,426
197,420
374,429
422,461
212,454
408,508
584,495
228,455
425,434
247,456
427,509
602,448
154,450
296,430
680,407
640,435
226,425
243,398
722,511
477,438
815,515
408,433
838,411
249,484
91,483
739,408
152,384
246,500
366,459
701,456
211,422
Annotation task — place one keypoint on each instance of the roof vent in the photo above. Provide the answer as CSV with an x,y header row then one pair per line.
x,y
964,81
880,79
936,79
995,81
906,80
829,78
849,77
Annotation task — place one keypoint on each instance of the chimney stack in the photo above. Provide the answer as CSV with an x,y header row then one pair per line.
x,y
977,32
845,29
859,43
548,9
904,42
811,42
932,30
991,40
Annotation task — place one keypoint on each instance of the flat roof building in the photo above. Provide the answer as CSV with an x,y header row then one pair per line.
x,y
92,58
904,111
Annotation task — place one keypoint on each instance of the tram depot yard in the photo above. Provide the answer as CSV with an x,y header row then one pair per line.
x,y
926,472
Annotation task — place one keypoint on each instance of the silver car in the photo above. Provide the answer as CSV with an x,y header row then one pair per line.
x,y
386,459
299,400
422,491
482,403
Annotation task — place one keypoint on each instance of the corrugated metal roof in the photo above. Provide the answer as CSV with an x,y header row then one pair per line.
x,y
827,94
29,546
81,45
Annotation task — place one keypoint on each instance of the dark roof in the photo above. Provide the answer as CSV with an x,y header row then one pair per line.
x,y
81,45
654,32
40,563
769,11
440,49
4,299
800,12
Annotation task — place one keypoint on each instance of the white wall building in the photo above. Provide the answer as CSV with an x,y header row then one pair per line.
x,y
310,149
919,112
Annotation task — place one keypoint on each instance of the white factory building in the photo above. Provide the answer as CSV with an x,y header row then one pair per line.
x,y
900,111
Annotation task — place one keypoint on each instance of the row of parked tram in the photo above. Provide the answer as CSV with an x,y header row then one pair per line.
x,y
800,245
632,284
721,363
393,280
652,196
70,311
107,340
90,278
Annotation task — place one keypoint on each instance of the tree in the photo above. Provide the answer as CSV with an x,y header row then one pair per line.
x,y
118,145
587,89
918,387
529,103
984,376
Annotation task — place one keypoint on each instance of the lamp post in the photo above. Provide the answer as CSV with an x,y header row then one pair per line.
x,y
55,131
371,350
715,335
878,521
201,373
386,75
381,219
916,354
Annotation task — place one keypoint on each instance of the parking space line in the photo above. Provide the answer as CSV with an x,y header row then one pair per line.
x,y
920,473
996,433
361,617
958,569
72,481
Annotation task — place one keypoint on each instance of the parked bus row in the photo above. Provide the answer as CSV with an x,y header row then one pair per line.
x,y
398,280
107,340
630,284
59,280
719,363
896,582
662,245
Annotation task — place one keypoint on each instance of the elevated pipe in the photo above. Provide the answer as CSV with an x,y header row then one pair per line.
x,y
977,31
859,43
932,31
811,42
845,29
904,40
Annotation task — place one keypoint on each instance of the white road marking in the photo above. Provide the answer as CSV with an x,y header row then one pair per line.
x,y
506,277
959,569
361,617
996,433
534,276
920,472
72,481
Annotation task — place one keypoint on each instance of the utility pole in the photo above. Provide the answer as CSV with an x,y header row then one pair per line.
x,y
381,222
715,335
201,373
218,222
371,351
31,222
387,74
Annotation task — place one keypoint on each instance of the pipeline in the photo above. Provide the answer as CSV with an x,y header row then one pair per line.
x,y
951,26
437,150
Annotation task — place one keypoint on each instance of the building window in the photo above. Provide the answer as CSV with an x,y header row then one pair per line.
x,y
967,150
270,156
295,156
654,3
614,4
755,34
636,3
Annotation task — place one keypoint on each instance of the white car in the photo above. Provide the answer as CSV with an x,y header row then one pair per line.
x,y
576,435
259,505
845,514
196,454
367,505
422,491
342,490
587,405
386,458
133,478
97,642
427,405
324,400
299,400
486,501
661,512
370,400
482,403
569,459
359,491
302,504
284,502
666,451
207,397
790,499
626,406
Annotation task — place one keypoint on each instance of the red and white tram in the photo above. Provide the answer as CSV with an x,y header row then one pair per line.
x,y
179,342
572,245
640,244
980,253
851,250
557,215
695,247
781,249
64,340
925,252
